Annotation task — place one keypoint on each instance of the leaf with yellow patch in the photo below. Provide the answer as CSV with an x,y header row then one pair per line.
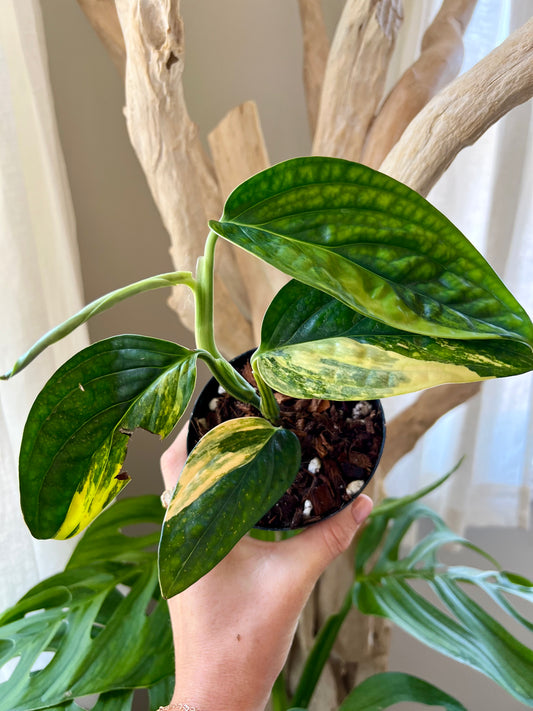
x,y
77,432
314,346
374,244
236,472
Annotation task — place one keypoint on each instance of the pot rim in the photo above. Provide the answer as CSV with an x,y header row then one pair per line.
x,y
210,390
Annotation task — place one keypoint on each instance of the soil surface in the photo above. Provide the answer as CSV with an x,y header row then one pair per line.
x,y
341,444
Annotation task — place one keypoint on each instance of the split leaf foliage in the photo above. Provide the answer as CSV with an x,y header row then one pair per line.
x,y
381,691
102,621
396,581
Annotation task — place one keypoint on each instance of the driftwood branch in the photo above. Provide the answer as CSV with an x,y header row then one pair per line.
x,y
439,62
462,112
168,147
355,75
315,50
102,14
239,151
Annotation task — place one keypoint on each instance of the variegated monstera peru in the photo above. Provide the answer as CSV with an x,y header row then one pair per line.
x,y
387,297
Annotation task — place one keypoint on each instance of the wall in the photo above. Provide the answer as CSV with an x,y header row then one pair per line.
x,y
254,52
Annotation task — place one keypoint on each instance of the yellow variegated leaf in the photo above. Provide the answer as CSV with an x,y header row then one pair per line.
x,y
78,429
343,369
231,478
99,487
312,345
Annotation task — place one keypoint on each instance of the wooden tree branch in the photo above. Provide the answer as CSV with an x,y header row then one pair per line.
x,y
102,15
355,75
239,151
167,144
439,62
316,50
462,112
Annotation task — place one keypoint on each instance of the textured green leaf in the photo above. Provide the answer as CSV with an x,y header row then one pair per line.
x,y
312,345
458,626
382,691
233,476
92,620
77,432
375,245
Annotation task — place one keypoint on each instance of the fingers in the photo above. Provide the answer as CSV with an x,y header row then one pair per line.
x,y
173,459
317,547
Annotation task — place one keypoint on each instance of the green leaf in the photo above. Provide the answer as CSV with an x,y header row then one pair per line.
x,y
114,701
312,345
375,245
382,691
458,626
233,476
92,620
394,504
78,429
319,655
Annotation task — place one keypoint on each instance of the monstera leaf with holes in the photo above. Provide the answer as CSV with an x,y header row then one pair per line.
x,y
389,581
387,297
100,627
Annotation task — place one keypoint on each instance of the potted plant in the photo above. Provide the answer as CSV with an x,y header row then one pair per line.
x,y
388,297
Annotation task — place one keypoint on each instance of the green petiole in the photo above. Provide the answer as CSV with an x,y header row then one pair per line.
x,y
95,307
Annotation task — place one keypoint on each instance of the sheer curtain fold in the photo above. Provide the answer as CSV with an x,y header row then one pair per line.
x,y
40,281
487,192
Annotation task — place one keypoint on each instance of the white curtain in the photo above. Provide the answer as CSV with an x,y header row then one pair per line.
x,y
487,193
39,276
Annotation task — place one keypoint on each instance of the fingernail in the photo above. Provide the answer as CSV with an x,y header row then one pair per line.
x,y
361,508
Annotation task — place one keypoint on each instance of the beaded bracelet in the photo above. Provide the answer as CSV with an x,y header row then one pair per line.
x,y
178,707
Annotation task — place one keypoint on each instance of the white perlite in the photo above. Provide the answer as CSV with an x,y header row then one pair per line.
x,y
314,465
308,509
354,486
361,409
213,404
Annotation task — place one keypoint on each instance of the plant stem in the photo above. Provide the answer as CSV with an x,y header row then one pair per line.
x,y
230,379
227,376
97,306
278,697
269,406
204,330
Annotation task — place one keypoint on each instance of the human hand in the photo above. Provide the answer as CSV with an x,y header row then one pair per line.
x,y
234,627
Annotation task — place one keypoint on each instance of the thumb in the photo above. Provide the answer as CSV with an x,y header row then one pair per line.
x,y
324,541
173,459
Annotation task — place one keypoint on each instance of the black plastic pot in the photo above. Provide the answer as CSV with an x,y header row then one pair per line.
x,y
211,391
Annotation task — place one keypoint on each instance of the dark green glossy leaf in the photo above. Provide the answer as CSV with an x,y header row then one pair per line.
x,y
458,626
77,432
375,245
231,478
312,345
382,691
92,620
